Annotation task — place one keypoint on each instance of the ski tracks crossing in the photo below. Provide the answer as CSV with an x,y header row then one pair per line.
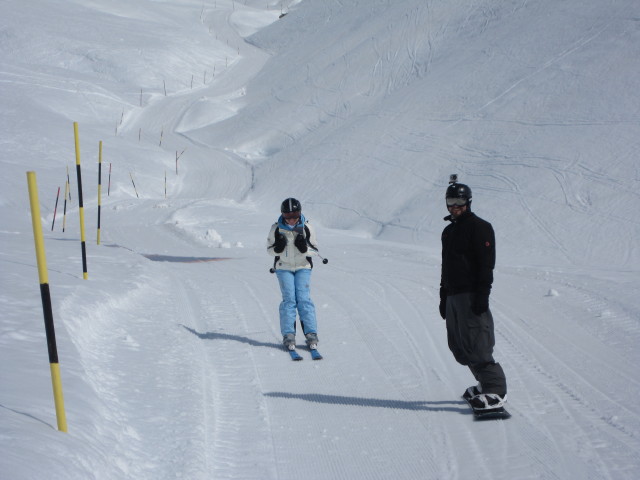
x,y
552,362
266,411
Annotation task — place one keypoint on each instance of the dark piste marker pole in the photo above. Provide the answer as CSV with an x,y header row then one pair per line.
x,y
67,191
99,186
55,209
85,275
134,185
46,302
109,182
69,183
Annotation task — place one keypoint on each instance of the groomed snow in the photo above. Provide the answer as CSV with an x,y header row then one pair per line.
x,y
170,352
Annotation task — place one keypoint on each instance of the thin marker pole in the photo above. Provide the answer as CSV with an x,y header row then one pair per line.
x,y
69,182
55,209
109,185
66,192
99,186
134,185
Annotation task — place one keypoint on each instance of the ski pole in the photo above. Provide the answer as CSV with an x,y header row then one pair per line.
x,y
324,260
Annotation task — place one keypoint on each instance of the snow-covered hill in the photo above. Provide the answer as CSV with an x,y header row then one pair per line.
x,y
169,352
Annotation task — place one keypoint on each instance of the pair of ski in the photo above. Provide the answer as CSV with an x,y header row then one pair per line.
x,y
296,357
499,413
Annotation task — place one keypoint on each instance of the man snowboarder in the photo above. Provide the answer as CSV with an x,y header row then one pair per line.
x,y
468,259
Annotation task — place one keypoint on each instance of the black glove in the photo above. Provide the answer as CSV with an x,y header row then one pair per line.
x,y
443,303
301,243
280,243
480,303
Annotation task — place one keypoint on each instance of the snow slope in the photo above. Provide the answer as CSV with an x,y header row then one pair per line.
x,y
170,351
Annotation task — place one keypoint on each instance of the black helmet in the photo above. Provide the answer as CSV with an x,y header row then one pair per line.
x,y
290,205
458,191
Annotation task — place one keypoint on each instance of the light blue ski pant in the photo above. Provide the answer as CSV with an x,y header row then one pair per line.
x,y
296,296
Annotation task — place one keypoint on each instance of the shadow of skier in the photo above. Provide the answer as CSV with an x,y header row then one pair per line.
x,y
235,338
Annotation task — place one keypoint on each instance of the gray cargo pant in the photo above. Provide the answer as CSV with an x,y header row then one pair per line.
x,y
471,340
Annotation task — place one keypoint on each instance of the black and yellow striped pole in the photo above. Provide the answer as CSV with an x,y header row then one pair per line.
x,y
67,192
46,301
99,185
85,275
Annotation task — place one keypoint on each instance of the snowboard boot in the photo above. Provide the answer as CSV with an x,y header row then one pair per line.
x,y
472,392
487,401
312,340
289,341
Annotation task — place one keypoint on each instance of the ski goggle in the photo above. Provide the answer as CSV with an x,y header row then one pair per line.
x,y
456,201
291,215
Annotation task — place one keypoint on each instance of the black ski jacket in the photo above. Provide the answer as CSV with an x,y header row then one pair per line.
x,y
468,255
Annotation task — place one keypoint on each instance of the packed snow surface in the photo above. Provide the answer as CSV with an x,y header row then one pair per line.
x,y
211,113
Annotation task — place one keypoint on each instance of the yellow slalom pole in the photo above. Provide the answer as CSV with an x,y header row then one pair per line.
x,y
85,275
99,185
46,302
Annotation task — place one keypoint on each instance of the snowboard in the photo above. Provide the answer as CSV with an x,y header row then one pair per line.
x,y
499,413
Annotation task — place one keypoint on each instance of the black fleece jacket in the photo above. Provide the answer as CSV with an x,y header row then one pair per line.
x,y
468,255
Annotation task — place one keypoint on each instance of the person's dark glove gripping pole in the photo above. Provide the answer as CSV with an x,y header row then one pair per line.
x,y
301,243
280,243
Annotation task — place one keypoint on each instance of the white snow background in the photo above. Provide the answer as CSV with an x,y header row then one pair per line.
x,y
172,368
